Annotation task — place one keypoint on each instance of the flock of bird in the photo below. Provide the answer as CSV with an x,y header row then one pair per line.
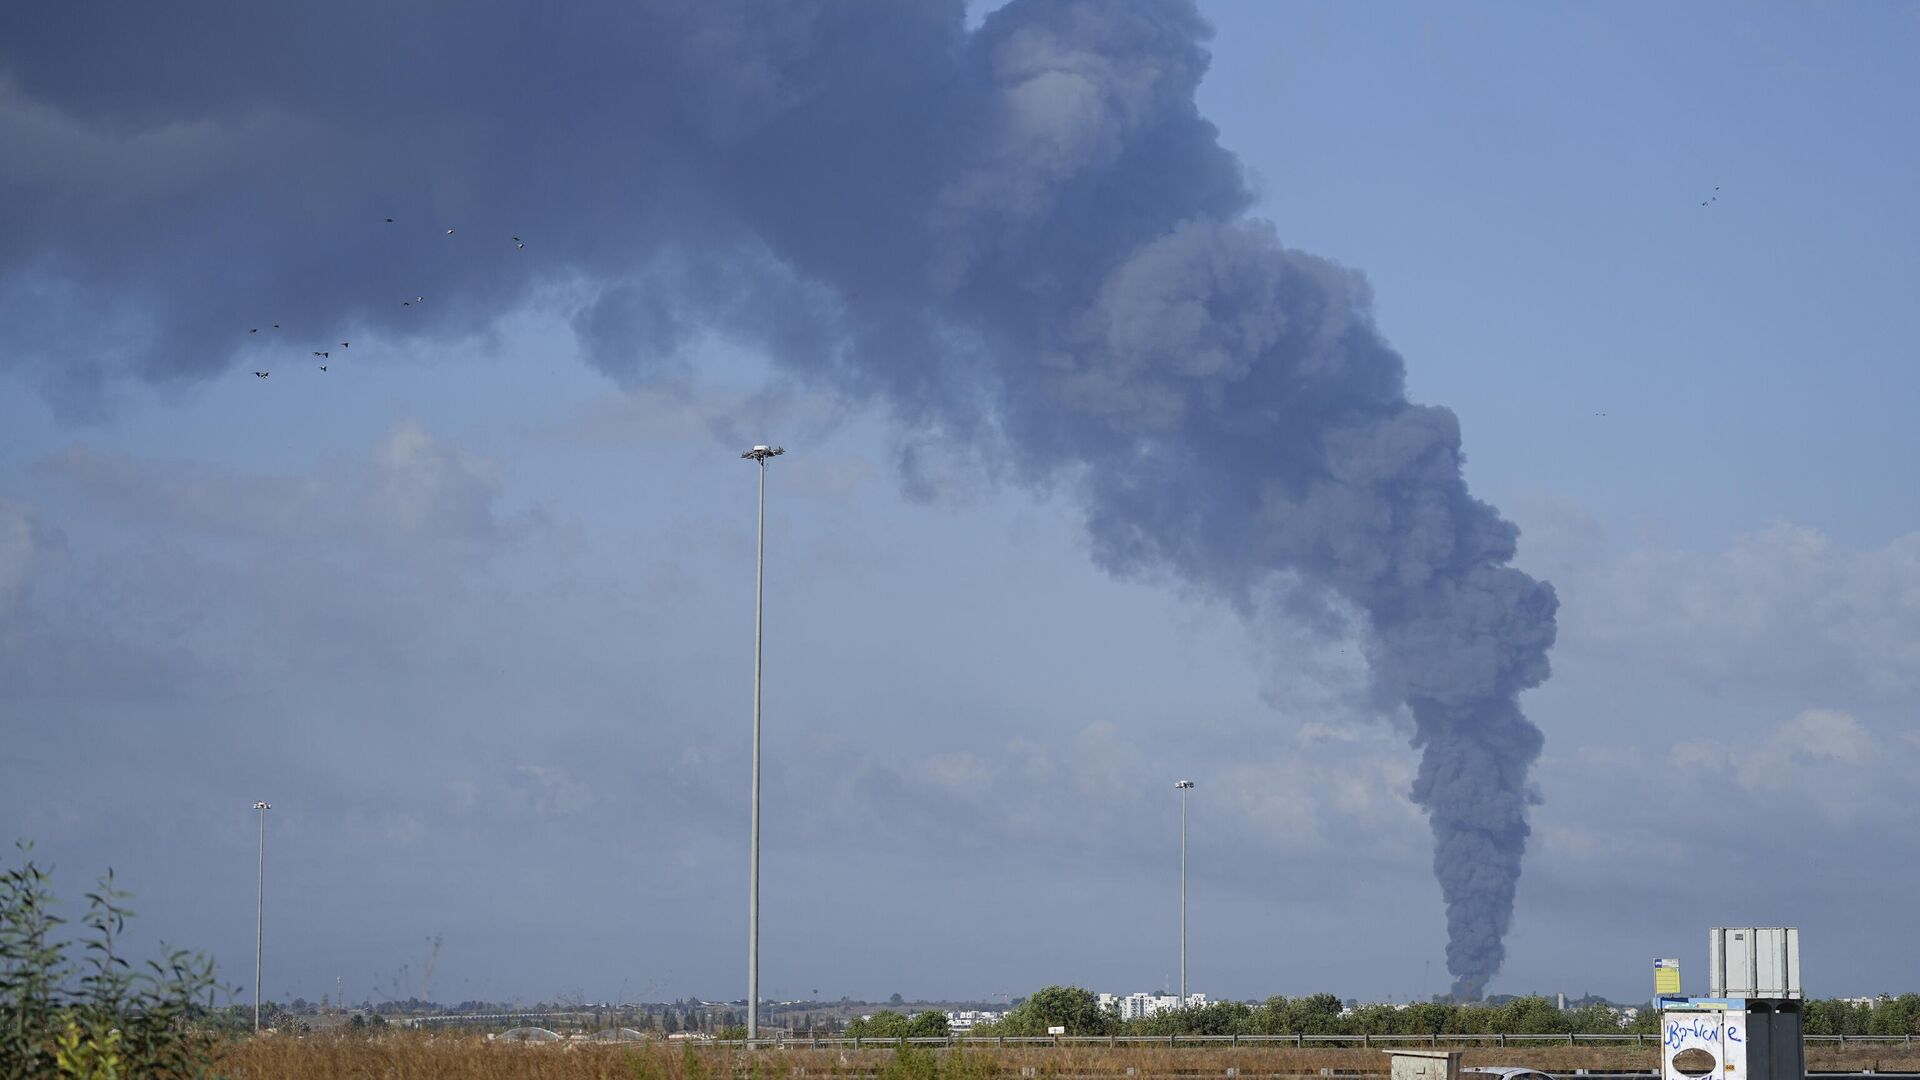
x,y
323,355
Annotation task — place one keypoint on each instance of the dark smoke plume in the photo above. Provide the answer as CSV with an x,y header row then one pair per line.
x,y
1022,239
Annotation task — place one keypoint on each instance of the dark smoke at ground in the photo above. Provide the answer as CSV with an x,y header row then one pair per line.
x,y
1023,240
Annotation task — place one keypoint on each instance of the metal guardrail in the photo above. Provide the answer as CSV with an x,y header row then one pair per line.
x,y
1298,1041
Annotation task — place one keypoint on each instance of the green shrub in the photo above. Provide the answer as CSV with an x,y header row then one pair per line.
x,y
74,1007
911,1063
693,1066
648,1065
963,1064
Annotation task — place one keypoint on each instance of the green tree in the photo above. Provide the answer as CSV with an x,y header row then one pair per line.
x,y
1531,1015
1214,1018
1072,1007
1592,1019
885,1024
1646,1022
1316,1014
1432,1018
931,1024
1895,1016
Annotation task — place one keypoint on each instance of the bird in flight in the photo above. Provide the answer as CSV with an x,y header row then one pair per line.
x,y
261,374
322,355
419,299
449,232
518,245
276,326
323,367
389,221
344,344
255,330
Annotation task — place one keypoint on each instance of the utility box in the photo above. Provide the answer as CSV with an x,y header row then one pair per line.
x,y
1753,962
1723,1038
1425,1064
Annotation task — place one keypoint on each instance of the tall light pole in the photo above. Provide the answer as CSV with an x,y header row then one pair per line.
x,y
260,913
759,455
1183,786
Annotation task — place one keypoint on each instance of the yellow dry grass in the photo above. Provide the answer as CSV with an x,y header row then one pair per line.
x,y
460,1057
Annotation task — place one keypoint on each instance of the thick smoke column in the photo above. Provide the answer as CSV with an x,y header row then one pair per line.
x,y
1225,404
1023,239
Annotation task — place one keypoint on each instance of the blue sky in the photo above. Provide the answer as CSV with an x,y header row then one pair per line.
x,y
475,612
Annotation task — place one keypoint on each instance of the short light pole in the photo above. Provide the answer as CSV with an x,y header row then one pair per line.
x,y
260,913
1183,786
759,455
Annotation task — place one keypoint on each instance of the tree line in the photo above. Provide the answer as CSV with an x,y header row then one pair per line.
x,y
1078,1011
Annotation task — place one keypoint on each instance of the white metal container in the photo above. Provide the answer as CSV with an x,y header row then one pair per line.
x,y
1703,1044
1731,1039
1754,961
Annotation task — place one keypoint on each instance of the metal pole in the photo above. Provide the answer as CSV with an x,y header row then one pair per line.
x,y
1183,786
759,454
753,884
260,913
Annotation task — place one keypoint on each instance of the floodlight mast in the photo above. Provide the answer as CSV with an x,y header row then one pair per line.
x,y
260,913
1183,786
759,455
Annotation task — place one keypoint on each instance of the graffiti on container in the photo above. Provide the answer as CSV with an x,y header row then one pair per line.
x,y
1683,1033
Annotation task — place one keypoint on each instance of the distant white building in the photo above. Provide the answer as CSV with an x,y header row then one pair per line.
x,y
1136,1006
965,1019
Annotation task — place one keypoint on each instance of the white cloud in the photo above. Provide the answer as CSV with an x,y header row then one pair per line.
x,y
412,493
1349,793
959,772
673,411
521,791
1107,763
1610,844
191,571
1784,606
1823,760
548,791
422,487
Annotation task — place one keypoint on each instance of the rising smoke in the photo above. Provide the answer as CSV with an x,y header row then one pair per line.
x,y
1022,239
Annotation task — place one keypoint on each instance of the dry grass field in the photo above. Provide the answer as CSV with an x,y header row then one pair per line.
x,y
429,1057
